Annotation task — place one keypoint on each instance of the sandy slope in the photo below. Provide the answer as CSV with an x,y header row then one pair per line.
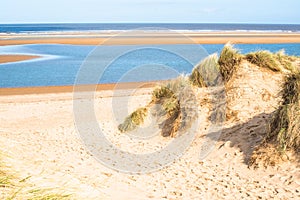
x,y
38,133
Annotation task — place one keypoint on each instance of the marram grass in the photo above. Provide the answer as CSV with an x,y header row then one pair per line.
x,y
229,60
264,59
276,62
283,132
11,188
135,119
212,68
206,73
285,60
172,97
285,124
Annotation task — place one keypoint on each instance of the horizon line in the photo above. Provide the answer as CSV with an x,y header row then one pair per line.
x,y
250,23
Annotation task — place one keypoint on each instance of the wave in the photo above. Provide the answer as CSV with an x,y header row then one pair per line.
x,y
112,28
147,30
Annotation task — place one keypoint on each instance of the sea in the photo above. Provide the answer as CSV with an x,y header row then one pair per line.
x,y
61,65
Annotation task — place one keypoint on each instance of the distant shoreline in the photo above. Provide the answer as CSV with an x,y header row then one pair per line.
x,y
15,58
70,88
161,38
150,38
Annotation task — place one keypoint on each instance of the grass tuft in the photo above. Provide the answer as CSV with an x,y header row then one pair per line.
x,y
264,59
133,120
167,97
45,194
229,60
5,177
11,188
285,60
206,73
285,124
173,102
284,127
175,106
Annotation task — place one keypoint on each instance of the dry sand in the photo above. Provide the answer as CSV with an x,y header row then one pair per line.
x,y
38,133
39,136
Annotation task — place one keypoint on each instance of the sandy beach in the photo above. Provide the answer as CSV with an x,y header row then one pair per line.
x,y
150,38
39,135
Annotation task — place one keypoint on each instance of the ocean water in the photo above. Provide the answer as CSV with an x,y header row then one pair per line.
x,y
31,28
60,64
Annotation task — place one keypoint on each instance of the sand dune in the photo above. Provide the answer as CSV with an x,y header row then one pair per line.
x,y
38,132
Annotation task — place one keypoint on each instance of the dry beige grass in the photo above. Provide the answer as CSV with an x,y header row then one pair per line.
x,y
264,59
265,155
11,187
283,133
286,61
206,73
133,120
285,124
177,102
278,61
229,60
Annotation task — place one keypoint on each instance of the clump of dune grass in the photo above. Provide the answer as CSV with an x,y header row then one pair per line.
x,y
206,73
167,97
212,68
229,60
284,127
286,61
46,194
285,124
264,59
5,177
135,119
11,187
176,106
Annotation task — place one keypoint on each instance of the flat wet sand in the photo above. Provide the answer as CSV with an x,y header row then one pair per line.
x,y
15,58
70,89
148,38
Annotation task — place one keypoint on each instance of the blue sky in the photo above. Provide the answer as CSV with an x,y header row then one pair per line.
x,y
181,11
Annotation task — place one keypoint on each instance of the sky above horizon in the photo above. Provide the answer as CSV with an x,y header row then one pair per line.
x,y
152,11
